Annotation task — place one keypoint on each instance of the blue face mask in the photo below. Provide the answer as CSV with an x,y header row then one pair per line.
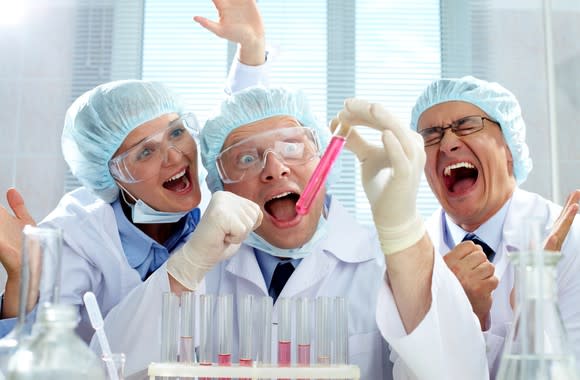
x,y
142,213
256,241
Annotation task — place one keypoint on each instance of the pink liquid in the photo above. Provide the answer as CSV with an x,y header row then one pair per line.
x,y
245,363
283,354
224,360
320,174
304,354
324,360
185,349
205,378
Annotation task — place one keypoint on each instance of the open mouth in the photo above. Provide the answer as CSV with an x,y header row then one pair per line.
x,y
179,182
460,177
282,207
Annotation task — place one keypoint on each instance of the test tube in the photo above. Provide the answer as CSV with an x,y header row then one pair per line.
x,y
320,174
341,318
284,331
246,331
169,315
205,330
224,331
323,330
303,331
186,343
264,330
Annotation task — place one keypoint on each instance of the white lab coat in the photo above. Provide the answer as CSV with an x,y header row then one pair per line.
x,y
525,206
348,264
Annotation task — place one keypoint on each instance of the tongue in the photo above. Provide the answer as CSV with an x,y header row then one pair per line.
x,y
463,185
283,209
177,184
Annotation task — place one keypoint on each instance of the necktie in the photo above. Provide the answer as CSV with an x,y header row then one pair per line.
x,y
282,273
486,248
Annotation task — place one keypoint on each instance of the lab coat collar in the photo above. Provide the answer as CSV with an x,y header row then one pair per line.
x,y
525,204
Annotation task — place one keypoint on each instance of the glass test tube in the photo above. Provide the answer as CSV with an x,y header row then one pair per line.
x,y
246,330
284,331
205,330
323,330
169,315
303,331
341,341
320,174
224,329
264,330
186,342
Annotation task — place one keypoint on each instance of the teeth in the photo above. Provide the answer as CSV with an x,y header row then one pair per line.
x,y
458,165
178,175
281,195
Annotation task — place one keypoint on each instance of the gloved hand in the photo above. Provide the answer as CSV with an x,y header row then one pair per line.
x,y
390,173
223,227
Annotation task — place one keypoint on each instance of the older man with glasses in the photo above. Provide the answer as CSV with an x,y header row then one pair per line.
x,y
474,138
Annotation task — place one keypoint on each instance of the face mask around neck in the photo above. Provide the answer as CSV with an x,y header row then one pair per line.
x,y
142,213
256,241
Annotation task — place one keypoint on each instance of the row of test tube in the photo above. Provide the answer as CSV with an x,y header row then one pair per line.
x,y
301,323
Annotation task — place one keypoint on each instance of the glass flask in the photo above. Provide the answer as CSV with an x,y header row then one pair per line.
x,y
537,346
39,273
55,352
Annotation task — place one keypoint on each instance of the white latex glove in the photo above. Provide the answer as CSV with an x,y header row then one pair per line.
x,y
390,173
226,223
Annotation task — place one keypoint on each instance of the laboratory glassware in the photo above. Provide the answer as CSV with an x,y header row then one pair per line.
x,y
537,346
205,355
96,318
224,330
55,351
39,273
324,307
341,331
303,335
186,341
323,168
246,331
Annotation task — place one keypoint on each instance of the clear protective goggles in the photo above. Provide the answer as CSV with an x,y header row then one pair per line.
x,y
144,160
247,158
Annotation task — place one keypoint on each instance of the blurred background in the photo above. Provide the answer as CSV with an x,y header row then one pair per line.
x,y
385,51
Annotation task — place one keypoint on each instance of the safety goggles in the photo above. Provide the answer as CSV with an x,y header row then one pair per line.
x,y
144,160
246,159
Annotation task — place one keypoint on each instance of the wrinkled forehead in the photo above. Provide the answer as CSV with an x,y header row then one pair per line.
x,y
269,128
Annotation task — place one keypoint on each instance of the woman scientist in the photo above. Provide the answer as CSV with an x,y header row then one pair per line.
x,y
133,136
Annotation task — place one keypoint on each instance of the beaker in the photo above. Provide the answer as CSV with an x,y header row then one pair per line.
x,y
39,279
537,346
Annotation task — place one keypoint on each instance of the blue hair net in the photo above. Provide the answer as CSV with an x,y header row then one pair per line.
x,y
495,100
251,105
97,123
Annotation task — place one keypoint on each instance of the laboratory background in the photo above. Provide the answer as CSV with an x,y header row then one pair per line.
x,y
385,51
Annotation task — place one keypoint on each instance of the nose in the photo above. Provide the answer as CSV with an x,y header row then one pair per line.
x,y
171,155
274,167
450,141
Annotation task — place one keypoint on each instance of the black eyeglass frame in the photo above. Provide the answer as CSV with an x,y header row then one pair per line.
x,y
455,128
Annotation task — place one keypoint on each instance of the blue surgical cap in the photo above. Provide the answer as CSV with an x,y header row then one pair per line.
x,y
97,123
248,106
495,100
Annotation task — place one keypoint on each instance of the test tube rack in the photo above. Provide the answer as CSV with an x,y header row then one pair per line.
x,y
192,370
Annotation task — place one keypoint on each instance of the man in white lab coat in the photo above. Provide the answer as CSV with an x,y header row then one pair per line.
x,y
264,145
474,170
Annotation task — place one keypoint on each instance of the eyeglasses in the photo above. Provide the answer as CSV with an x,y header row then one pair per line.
x,y
246,159
143,160
462,127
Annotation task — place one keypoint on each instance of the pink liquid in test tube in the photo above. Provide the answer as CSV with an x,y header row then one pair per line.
x,y
224,360
304,354
283,354
246,363
320,174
